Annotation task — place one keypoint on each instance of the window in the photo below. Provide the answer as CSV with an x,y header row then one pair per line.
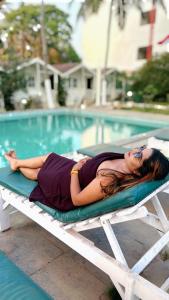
x,y
89,83
145,18
148,17
74,82
68,82
30,81
144,52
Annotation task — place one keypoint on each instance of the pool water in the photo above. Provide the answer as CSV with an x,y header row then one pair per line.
x,y
61,133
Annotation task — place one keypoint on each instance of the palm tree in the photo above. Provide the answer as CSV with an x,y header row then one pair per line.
x,y
92,6
1,2
49,96
119,6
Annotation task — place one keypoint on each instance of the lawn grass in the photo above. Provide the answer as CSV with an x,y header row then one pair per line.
x,y
149,110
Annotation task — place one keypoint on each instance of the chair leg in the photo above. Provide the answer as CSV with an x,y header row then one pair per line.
x,y
165,285
4,217
162,217
145,260
160,212
114,244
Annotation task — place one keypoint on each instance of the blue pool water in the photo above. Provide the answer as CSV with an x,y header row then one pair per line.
x,y
39,134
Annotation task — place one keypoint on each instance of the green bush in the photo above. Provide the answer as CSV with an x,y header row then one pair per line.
x,y
62,94
151,82
11,80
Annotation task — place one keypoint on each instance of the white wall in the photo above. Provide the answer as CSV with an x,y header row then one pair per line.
x,y
124,44
35,90
76,94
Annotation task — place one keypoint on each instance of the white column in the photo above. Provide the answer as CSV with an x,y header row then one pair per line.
x,y
49,96
114,92
83,86
56,87
98,86
104,92
38,78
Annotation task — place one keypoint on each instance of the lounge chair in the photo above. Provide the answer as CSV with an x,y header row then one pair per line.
x,y
163,134
122,207
100,148
16,285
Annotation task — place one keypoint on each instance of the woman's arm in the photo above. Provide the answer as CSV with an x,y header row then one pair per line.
x,y
91,193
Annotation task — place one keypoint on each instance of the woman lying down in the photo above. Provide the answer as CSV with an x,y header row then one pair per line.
x,y
65,184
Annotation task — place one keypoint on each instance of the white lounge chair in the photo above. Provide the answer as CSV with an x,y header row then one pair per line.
x,y
122,207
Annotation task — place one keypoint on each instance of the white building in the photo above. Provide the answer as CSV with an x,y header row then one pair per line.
x,y
130,47
79,83
35,87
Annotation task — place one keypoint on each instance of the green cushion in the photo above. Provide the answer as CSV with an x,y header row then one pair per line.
x,y
100,148
16,285
19,184
163,135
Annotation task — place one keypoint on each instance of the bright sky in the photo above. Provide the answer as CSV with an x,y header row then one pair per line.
x,y
64,5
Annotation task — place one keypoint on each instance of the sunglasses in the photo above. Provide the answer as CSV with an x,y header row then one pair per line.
x,y
139,154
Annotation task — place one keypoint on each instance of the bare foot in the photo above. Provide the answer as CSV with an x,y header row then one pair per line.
x,y
11,153
12,161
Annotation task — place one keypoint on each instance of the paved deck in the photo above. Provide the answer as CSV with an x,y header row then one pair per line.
x,y
135,114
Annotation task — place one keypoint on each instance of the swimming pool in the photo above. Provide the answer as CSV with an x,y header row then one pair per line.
x,y
35,133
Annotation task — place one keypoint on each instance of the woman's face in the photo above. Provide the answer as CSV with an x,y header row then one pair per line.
x,y
135,158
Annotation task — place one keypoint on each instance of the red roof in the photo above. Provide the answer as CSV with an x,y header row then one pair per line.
x,y
65,67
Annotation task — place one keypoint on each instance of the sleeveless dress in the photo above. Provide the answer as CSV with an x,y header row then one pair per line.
x,y
53,187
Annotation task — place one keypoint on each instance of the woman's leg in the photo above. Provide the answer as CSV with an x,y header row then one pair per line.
x,y
27,172
30,173
31,163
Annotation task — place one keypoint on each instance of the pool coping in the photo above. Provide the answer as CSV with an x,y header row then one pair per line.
x,y
86,113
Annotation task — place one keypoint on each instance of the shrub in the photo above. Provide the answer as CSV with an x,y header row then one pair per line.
x,y
62,94
152,80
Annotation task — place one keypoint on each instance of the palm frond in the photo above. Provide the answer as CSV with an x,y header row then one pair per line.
x,y
89,7
121,13
161,2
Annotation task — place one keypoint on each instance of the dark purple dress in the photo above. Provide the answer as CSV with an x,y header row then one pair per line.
x,y
53,187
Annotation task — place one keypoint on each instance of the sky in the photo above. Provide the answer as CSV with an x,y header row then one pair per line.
x,y
65,6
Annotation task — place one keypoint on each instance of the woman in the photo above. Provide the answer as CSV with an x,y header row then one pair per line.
x,y
65,184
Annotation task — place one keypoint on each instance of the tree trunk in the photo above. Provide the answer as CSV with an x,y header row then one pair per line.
x,y
49,96
108,36
104,83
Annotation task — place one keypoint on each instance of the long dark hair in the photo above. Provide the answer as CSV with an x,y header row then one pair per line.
x,y
154,168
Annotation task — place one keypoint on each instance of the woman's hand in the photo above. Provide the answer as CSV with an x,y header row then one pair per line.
x,y
80,163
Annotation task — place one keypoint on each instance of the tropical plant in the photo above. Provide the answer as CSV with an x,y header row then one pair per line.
x,y
61,92
151,82
23,26
11,80
1,2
